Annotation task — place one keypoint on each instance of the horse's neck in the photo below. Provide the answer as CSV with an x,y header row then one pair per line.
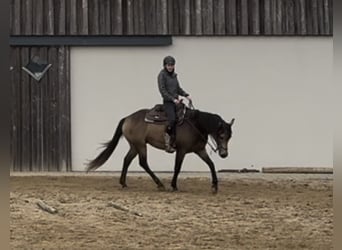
x,y
207,122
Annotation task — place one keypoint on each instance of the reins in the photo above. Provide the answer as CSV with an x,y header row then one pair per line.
x,y
191,106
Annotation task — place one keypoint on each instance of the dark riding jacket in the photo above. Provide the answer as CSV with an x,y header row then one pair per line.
x,y
169,87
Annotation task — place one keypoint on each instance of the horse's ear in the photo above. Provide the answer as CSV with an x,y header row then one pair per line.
x,y
232,122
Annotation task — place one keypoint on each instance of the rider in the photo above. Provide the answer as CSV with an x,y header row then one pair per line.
x,y
170,91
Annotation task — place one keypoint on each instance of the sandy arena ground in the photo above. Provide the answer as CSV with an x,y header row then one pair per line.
x,y
251,211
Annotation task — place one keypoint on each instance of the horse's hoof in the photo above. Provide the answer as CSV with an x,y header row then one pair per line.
x,y
124,186
161,188
174,189
214,190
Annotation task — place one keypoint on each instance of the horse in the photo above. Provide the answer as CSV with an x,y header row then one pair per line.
x,y
191,137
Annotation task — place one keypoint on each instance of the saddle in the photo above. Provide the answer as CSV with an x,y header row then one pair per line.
x,y
158,115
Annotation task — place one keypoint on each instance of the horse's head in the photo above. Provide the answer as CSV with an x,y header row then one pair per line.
x,y
222,137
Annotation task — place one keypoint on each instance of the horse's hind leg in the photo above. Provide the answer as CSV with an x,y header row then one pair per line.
x,y
205,157
131,154
143,163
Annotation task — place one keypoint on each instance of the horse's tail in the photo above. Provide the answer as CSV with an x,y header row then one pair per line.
x,y
110,147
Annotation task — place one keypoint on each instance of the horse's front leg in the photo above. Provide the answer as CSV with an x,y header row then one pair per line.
x,y
205,157
178,164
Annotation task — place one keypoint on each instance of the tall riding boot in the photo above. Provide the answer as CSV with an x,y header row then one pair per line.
x,y
168,145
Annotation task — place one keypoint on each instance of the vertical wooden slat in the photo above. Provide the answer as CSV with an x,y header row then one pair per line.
x,y
219,17
314,12
170,16
85,23
129,24
198,17
49,17
104,17
253,7
267,17
38,20
67,117
331,17
301,17
243,17
326,17
290,17
136,19
141,14
34,107
72,17
93,17
25,111
61,18
207,17
186,18
161,15
150,17
231,16
14,108
27,14
320,8
117,26
17,16
279,17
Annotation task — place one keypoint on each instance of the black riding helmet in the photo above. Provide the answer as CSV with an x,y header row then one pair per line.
x,y
169,60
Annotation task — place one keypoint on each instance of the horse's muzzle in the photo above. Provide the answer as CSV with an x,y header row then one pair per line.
x,y
223,153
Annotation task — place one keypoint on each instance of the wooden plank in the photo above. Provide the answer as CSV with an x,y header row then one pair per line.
x,y
18,125
279,17
17,17
141,14
150,17
49,18
219,17
129,24
27,16
93,17
186,18
300,17
297,170
72,17
14,109
62,17
326,17
34,107
26,112
67,117
161,15
290,17
117,25
170,4
198,17
85,21
331,14
267,17
104,17
243,18
314,11
38,20
320,13
207,17
231,17
254,17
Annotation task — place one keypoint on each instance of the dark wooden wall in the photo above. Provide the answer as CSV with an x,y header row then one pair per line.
x,y
40,111
172,17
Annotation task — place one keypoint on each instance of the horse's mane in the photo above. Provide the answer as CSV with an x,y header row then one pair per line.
x,y
208,122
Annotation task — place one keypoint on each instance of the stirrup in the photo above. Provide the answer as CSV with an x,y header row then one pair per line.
x,y
168,147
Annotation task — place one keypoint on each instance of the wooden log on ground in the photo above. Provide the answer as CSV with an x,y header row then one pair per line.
x,y
297,170
243,170
119,207
42,205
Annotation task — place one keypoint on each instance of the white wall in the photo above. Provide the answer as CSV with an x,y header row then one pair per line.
x,y
278,89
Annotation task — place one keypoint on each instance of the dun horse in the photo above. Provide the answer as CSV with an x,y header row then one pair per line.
x,y
192,136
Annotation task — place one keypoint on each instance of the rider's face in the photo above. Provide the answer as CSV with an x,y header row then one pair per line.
x,y
170,67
